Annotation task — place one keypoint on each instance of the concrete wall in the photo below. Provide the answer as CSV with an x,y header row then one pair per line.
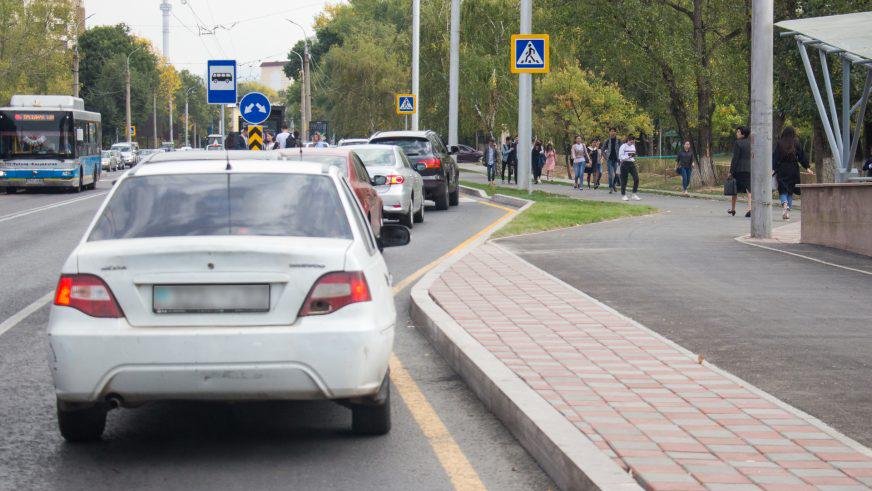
x,y
838,215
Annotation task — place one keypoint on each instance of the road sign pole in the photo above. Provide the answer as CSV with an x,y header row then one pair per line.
x,y
525,108
221,124
453,73
416,48
761,118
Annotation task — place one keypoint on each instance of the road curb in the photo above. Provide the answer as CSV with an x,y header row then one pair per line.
x,y
561,449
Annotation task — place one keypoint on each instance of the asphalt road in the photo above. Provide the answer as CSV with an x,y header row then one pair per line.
x,y
798,329
233,446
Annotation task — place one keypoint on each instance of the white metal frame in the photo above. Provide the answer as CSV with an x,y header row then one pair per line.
x,y
841,136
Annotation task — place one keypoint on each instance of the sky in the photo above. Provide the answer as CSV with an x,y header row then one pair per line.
x,y
249,35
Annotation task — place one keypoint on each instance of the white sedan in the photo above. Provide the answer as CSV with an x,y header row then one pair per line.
x,y
403,192
224,280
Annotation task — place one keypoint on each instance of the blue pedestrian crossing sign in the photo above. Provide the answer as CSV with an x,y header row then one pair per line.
x,y
254,108
406,104
530,53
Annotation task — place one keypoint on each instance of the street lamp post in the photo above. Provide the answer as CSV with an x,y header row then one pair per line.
x,y
761,117
127,102
303,121
453,73
525,109
187,93
76,56
416,56
307,83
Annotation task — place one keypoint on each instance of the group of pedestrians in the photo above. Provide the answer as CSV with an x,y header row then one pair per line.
x,y
285,139
787,158
620,160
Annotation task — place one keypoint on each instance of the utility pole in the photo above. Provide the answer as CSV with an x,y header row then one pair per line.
x,y
303,120
307,85
453,73
761,117
416,57
171,118
154,119
187,93
79,25
525,108
127,102
165,9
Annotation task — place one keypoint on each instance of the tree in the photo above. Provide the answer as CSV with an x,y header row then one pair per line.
x,y
572,101
35,40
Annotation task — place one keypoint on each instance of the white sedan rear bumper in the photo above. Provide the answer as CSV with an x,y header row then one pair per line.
x,y
317,357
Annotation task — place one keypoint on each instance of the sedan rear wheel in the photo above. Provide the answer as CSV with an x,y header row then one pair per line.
x,y
418,217
407,219
442,199
81,424
373,418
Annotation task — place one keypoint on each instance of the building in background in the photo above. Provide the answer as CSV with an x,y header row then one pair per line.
x,y
272,74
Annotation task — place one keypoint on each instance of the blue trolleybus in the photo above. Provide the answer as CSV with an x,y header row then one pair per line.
x,y
49,141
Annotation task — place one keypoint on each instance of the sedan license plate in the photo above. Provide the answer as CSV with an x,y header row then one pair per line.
x,y
210,299
33,181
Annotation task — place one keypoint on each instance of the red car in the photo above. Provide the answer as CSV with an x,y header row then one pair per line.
x,y
352,167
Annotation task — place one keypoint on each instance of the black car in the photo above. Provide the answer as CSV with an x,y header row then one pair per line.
x,y
432,160
468,155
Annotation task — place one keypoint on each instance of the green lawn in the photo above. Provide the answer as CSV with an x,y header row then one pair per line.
x,y
552,211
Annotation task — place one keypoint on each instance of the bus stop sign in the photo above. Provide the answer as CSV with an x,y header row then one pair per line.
x,y
221,81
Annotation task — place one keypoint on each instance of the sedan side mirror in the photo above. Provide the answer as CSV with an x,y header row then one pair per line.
x,y
393,235
379,181
453,149
420,167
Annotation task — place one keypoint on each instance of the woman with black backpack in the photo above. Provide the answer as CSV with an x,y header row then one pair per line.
x,y
786,159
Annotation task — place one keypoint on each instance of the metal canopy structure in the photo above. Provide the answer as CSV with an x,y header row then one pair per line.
x,y
847,37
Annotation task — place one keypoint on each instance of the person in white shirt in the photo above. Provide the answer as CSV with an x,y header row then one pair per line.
x,y
627,156
580,158
282,138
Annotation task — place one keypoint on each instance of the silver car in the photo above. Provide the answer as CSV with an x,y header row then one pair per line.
x,y
110,160
403,193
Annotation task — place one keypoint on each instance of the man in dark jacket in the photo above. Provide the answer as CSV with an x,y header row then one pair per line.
x,y
609,152
740,168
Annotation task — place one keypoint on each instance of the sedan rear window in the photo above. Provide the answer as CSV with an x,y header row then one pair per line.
x,y
224,204
338,161
376,157
410,146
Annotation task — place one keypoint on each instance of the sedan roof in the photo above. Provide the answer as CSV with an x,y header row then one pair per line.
x,y
236,165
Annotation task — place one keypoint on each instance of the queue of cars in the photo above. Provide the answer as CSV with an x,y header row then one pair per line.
x,y
167,297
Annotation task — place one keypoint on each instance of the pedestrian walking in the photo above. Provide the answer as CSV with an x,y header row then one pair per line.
x,y
512,163
295,140
627,156
593,167
550,161
537,160
786,159
684,164
244,139
491,157
610,153
868,165
505,150
580,158
282,137
740,168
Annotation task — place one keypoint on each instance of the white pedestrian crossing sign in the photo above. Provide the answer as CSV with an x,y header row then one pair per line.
x,y
530,53
406,104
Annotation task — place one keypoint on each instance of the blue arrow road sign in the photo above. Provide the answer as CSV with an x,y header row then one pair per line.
x,y
254,108
221,81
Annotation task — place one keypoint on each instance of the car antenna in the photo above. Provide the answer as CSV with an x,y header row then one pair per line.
x,y
228,163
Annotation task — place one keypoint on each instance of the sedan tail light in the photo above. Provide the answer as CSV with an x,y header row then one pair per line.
x,y
392,179
334,291
89,294
431,163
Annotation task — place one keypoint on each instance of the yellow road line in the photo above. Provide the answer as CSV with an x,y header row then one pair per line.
x,y
455,463
451,457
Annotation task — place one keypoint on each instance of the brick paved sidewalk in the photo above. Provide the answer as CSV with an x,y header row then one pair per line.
x,y
652,407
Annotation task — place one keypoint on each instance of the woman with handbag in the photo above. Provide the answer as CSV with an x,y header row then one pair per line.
x,y
740,168
684,166
580,158
786,159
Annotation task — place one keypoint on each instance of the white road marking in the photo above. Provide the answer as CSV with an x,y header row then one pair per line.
x,y
25,312
31,211
746,240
